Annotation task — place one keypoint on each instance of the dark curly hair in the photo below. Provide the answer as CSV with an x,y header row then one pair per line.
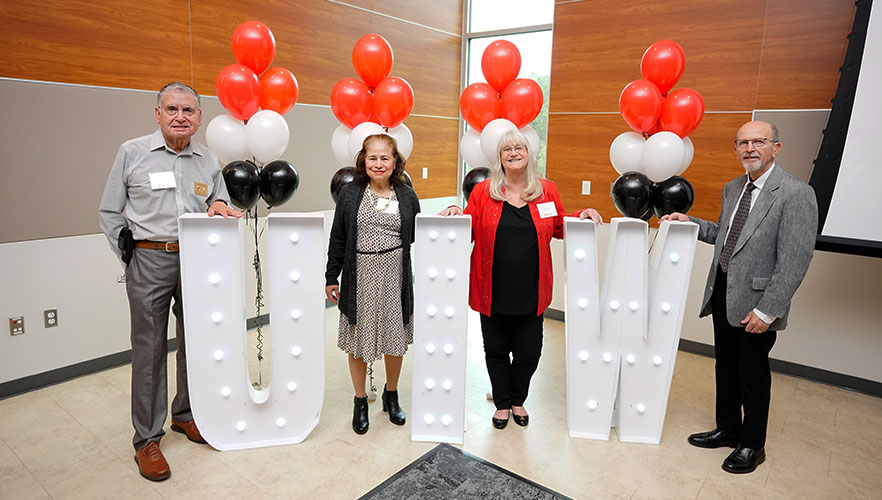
x,y
397,177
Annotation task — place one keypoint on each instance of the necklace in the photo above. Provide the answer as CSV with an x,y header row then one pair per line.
x,y
380,202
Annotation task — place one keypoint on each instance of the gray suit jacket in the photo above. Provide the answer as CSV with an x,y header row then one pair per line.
x,y
772,253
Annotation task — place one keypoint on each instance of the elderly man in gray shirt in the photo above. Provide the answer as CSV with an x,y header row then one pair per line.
x,y
155,179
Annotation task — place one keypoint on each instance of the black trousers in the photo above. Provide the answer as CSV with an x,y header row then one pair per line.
x,y
521,336
743,377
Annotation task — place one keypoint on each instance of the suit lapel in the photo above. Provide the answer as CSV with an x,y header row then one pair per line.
x,y
731,204
767,196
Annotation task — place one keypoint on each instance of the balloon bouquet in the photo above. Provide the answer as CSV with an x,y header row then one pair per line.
x,y
253,135
376,104
652,157
491,109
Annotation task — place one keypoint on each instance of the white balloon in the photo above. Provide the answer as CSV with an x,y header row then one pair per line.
x,y
626,151
404,138
491,136
532,140
687,155
359,133
267,136
662,156
225,136
340,146
470,147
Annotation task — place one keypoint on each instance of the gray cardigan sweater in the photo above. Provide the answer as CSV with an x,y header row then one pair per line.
x,y
342,251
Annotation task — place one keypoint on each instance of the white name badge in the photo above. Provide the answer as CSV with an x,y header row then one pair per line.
x,y
162,180
546,210
392,208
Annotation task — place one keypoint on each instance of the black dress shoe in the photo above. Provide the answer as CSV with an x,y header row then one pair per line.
x,y
499,423
713,439
390,404
360,415
744,460
521,420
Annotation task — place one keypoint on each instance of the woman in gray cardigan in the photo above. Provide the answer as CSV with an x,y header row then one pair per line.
x,y
370,246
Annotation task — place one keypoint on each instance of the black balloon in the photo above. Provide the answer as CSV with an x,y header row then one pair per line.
x,y
341,178
475,176
278,182
243,183
672,195
631,194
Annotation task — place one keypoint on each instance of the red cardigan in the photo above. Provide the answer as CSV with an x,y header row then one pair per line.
x,y
485,212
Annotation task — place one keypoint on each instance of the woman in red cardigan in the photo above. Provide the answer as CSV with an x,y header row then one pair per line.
x,y
515,213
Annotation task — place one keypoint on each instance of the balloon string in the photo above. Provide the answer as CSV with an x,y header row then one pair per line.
x,y
258,300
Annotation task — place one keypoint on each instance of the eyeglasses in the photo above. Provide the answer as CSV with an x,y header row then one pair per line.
x,y
519,148
757,143
174,110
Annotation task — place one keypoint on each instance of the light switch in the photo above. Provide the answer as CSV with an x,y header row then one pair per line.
x,y
586,188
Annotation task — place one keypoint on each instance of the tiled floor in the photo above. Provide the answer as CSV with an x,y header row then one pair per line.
x,y
73,440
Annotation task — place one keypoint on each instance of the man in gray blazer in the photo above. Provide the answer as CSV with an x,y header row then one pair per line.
x,y
763,244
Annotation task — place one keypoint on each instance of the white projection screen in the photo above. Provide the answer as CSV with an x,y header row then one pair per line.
x,y
848,171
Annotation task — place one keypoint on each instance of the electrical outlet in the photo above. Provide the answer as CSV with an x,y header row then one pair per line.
x,y
425,172
50,318
16,325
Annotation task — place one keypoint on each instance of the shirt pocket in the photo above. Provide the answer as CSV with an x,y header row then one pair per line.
x,y
760,283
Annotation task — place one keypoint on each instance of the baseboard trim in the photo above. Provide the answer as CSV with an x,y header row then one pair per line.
x,y
58,375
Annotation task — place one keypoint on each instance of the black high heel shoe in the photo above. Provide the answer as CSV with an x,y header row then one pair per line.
x,y
390,404
360,415
499,423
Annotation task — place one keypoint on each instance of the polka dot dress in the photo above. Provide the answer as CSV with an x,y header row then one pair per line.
x,y
379,328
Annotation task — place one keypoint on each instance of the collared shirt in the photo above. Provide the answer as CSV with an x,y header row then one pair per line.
x,y
152,214
759,183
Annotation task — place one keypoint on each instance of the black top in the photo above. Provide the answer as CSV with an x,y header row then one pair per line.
x,y
342,251
515,263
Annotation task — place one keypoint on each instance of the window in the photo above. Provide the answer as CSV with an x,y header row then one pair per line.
x,y
527,24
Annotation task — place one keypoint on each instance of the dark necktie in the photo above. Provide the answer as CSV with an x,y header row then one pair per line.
x,y
737,225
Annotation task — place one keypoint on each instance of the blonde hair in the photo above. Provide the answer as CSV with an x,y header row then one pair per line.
x,y
531,173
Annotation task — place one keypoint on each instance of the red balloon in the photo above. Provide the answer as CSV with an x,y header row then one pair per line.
x,y
278,90
254,45
351,102
682,112
640,104
372,58
663,64
501,64
521,102
393,100
479,104
238,90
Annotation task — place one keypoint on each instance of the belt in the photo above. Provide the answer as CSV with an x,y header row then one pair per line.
x,y
171,246
378,252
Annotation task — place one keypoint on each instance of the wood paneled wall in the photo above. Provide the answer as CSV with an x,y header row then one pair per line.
x,y
741,56
143,45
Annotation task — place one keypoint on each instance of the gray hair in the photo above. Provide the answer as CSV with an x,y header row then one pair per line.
x,y
531,173
770,124
177,87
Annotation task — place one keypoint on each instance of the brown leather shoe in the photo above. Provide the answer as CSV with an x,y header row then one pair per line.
x,y
189,428
151,463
